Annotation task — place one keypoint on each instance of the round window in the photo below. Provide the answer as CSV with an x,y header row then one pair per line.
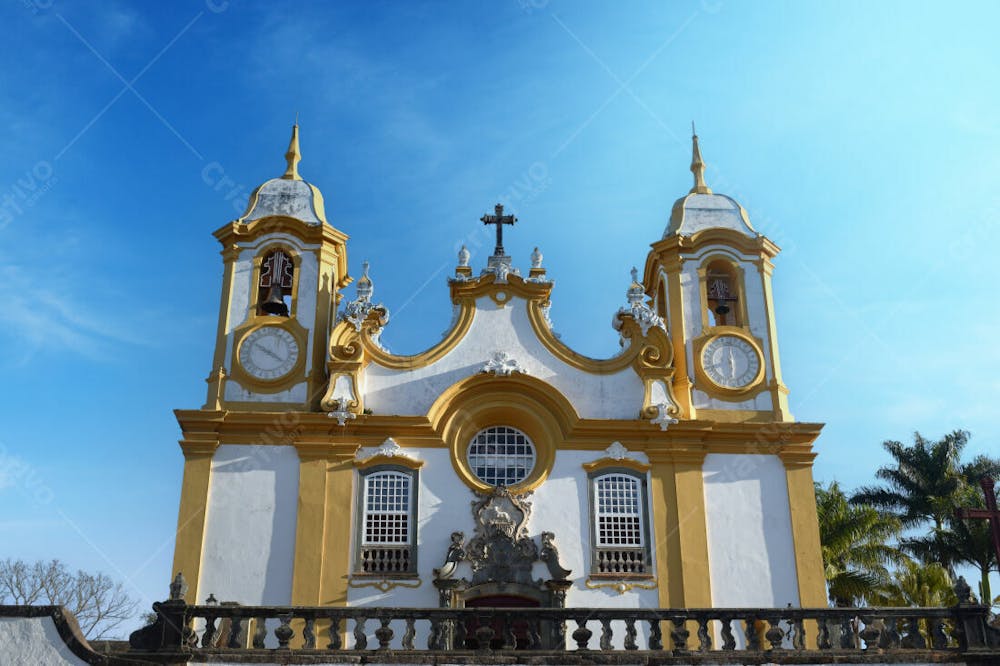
x,y
501,456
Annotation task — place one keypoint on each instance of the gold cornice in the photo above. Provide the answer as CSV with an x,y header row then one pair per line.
x,y
451,339
381,459
194,448
500,292
759,246
606,463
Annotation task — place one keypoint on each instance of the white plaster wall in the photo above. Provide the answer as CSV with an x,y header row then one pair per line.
x,y
248,553
750,549
702,400
505,328
235,391
34,640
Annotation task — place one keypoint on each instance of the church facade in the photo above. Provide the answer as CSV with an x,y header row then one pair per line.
x,y
499,467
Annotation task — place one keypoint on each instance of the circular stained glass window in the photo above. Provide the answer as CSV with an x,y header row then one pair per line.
x,y
501,456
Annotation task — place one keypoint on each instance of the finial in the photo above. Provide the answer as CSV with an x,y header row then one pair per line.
x,y
536,258
463,256
635,274
365,287
293,156
697,166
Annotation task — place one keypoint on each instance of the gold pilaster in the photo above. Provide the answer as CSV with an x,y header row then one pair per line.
x,y
190,535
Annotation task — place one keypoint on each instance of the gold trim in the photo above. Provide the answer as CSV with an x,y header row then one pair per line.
x,y
621,586
519,401
627,463
384,584
705,382
400,461
199,450
375,353
292,377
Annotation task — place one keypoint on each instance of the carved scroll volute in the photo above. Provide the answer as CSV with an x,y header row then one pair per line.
x,y
347,359
654,364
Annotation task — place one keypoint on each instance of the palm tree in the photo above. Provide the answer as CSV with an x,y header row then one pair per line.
x,y
922,482
917,584
856,546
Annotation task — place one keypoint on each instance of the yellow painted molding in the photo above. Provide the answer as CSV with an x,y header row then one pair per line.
x,y
620,585
606,463
704,382
193,511
401,461
384,584
294,376
377,354
805,536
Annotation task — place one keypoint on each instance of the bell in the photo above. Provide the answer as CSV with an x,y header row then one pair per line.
x,y
275,303
722,309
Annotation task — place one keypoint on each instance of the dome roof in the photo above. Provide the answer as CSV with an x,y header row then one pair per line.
x,y
288,195
695,212
702,209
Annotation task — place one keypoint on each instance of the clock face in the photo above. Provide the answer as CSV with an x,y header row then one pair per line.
x,y
730,361
269,353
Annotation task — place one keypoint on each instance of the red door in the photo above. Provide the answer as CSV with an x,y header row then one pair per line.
x,y
519,628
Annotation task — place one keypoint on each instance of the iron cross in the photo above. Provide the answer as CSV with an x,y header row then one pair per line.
x,y
498,219
990,513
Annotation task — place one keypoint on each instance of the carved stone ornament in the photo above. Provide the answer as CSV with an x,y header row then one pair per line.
x,y
388,449
617,451
455,554
663,418
501,551
341,413
536,258
637,308
550,555
500,266
502,365
357,311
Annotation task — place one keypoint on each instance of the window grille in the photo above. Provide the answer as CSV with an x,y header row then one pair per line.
x,y
386,539
619,529
501,456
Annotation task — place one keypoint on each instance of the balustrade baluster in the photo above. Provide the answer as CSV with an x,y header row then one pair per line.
x,y
284,631
914,639
890,634
206,638
775,634
409,634
335,640
259,631
655,635
751,634
704,640
510,636
235,629
360,637
728,640
630,634
938,634
581,634
823,640
606,633
309,634
384,633
679,634
798,634
484,632
848,641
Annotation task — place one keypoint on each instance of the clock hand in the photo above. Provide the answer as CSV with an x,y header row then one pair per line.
x,y
270,353
732,363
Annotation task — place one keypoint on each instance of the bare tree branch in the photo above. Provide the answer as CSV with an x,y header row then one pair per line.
x,y
99,603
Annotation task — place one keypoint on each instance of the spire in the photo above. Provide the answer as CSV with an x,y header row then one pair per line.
x,y
293,156
697,166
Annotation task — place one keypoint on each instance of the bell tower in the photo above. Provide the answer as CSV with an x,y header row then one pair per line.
x,y
283,268
709,277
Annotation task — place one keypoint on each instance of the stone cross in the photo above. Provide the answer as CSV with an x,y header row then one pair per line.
x,y
498,219
990,513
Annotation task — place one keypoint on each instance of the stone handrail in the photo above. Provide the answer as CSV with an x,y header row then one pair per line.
x,y
782,635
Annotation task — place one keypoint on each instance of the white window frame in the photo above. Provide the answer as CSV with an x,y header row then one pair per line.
x,y
392,549
635,558
531,458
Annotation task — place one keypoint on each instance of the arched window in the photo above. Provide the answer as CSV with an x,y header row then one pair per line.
x,y
277,275
388,522
722,294
621,532
501,456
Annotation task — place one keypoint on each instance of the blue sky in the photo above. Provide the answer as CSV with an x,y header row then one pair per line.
x,y
863,140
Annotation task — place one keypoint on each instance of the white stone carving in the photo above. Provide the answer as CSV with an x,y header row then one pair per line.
x,y
663,419
536,259
463,257
341,413
500,266
502,365
547,318
642,313
388,449
357,311
616,451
